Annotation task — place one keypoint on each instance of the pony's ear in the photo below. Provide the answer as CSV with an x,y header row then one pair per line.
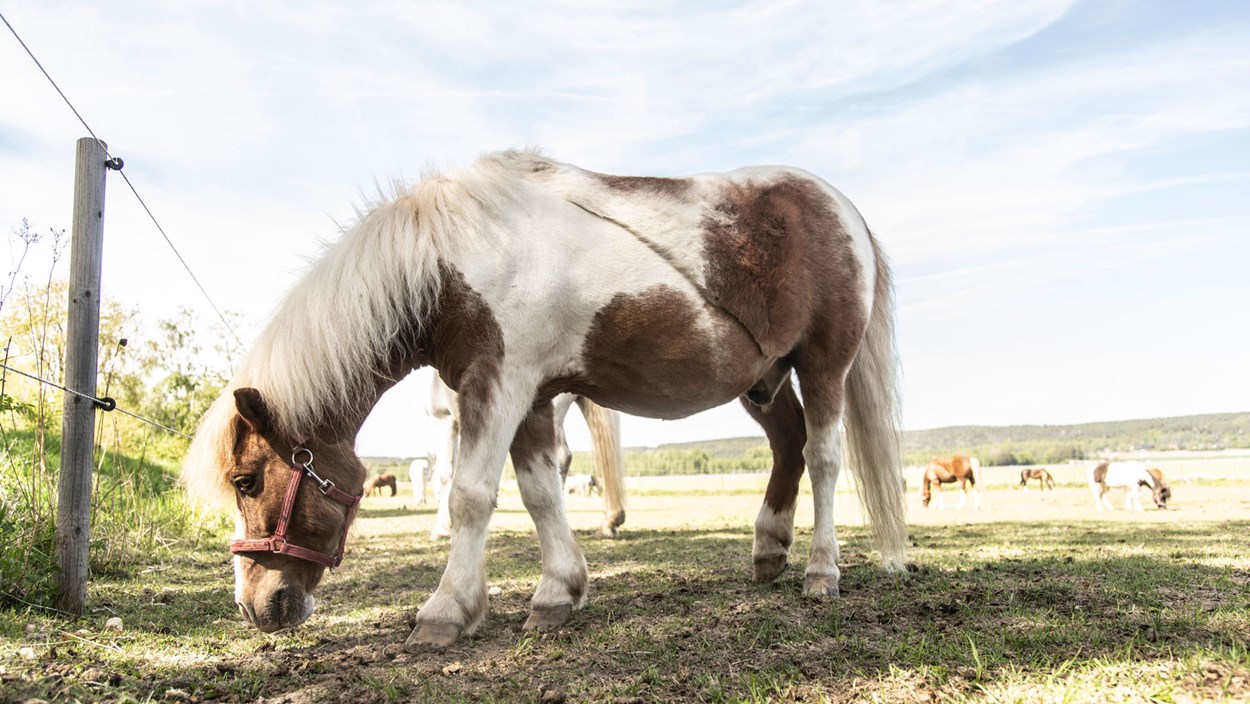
x,y
253,409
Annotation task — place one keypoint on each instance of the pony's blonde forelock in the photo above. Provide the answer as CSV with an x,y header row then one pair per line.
x,y
318,358
210,451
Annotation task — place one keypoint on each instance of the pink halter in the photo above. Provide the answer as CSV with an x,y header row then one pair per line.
x,y
278,544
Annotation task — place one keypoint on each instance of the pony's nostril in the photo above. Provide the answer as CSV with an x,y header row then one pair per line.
x,y
246,611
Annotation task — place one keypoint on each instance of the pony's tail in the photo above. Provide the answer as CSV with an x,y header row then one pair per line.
x,y
874,424
976,472
925,494
605,432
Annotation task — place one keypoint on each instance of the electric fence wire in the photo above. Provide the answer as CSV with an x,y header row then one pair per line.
x,y
116,164
105,404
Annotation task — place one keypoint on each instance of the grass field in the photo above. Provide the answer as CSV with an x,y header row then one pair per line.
x,y
1033,598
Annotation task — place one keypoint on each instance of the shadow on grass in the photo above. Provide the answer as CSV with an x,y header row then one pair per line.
x,y
674,616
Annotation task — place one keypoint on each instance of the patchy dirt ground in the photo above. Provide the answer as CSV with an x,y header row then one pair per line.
x,y
1002,607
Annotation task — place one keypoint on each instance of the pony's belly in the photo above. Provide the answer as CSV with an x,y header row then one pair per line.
x,y
665,354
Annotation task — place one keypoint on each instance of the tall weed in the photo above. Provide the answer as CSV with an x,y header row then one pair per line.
x,y
137,509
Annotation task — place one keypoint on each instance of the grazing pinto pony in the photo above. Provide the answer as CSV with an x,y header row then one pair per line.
x,y
519,279
375,483
1044,480
605,434
948,470
1129,476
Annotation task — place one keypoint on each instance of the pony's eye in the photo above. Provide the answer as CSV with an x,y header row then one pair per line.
x,y
245,483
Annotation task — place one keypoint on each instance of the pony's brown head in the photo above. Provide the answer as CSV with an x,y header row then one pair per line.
x,y
295,498
1159,488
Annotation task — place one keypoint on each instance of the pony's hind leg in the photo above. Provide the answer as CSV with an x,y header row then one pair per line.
x,y
823,393
563,585
783,423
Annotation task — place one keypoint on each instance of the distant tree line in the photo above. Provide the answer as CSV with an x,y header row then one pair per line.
x,y
995,446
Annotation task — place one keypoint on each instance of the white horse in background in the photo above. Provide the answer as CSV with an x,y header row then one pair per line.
x,y
421,474
1130,476
582,485
605,433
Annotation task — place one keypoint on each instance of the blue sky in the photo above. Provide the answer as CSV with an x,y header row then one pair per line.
x,y
1062,185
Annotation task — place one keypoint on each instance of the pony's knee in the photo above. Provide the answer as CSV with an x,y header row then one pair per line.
x,y
470,503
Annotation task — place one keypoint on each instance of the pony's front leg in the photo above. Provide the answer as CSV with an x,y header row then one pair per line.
x,y
562,588
1133,500
458,605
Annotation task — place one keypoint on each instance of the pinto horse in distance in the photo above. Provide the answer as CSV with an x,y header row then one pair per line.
x,y
1129,476
519,279
1044,480
947,470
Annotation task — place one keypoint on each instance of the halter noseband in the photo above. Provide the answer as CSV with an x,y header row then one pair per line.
x,y
277,544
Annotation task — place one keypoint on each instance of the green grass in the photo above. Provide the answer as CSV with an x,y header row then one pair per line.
x,y
137,509
1130,607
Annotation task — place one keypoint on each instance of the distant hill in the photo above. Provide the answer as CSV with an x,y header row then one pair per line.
x,y
995,445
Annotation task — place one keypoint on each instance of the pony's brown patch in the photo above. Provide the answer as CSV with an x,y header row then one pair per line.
x,y
1100,472
465,343
670,187
536,436
771,251
653,354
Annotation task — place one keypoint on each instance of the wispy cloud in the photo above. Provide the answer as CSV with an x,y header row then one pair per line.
x,y
997,165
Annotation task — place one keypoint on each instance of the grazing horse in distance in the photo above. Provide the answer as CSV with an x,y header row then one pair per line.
x,y
520,279
947,470
376,483
582,484
1130,476
1044,480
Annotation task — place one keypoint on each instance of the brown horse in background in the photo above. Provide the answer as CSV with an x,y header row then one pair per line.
x,y
947,470
377,482
1044,480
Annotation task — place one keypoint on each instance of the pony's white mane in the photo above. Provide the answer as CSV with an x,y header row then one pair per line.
x,y
321,353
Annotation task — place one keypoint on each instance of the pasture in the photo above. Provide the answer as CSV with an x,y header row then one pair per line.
x,y
1033,598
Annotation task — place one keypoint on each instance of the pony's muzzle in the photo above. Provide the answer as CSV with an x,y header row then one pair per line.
x,y
286,607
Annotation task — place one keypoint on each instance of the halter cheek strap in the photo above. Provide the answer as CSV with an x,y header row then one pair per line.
x,y
277,543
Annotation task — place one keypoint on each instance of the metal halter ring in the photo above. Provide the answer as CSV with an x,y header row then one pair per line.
x,y
295,454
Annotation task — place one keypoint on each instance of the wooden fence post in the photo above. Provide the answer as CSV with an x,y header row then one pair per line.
x,y
73,517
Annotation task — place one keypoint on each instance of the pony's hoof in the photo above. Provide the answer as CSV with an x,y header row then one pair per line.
x,y
766,569
607,532
821,585
431,637
547,618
